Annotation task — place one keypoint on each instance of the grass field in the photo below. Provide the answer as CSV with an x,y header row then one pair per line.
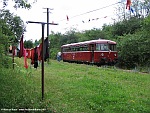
x,y
75,88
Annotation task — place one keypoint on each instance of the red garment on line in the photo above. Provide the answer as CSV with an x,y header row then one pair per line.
x,y
25,59
21,47
128,4
32,56
67,17
39,49
28,53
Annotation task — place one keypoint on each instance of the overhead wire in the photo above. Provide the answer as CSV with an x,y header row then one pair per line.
x,y
92,11
98,18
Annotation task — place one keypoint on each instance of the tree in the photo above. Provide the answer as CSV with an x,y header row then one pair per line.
x,y
146,24
134,50
146,5
127,26
92,34
19,3
71,36
4,61
14,26
134,47
139,8
36,43
11,28
28,44
120,11
55,44
107,32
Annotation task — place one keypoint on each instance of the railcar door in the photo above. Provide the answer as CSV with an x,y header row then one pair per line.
x,y
92,52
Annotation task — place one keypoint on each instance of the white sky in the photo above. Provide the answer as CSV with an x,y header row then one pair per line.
x,y
61,8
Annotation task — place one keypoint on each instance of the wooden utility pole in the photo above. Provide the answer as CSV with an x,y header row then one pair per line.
x,y
48,29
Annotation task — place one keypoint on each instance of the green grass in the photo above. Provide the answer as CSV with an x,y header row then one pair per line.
x,y
75,88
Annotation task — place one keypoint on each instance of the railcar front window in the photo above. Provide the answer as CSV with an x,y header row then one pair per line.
x,y
102,47
112,47
98,47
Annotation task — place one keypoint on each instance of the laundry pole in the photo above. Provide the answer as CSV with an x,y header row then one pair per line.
x,y
42,77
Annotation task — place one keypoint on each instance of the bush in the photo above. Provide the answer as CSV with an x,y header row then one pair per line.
x,y
5,61
53,53
134,50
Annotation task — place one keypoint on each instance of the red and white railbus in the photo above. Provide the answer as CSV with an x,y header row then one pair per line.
x,y
94,51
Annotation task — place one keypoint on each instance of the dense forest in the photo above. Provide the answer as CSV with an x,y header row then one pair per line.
x,y
131,31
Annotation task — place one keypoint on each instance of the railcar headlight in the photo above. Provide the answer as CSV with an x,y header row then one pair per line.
x,y
115,54
102,54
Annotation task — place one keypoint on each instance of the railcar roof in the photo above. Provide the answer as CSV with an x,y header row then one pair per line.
x,y
90,42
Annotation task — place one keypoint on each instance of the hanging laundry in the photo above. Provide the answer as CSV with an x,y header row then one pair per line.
x,y
28,52
35,57
97,18
67,17
128,4
46,49
25,59
39,49
32,56
21,47
36,53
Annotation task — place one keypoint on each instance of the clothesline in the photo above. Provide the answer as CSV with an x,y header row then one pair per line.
x,y
35,54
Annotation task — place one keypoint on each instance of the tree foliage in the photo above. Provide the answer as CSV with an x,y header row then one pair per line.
x,y
134,50
127,26
28,44
18,3
11,25
11,28
4,61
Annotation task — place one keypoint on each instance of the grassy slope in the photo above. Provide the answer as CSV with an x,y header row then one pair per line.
x,y
76,88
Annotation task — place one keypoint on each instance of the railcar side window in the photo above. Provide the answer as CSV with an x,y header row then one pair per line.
x,y
77,48
72,48
66,49
85,48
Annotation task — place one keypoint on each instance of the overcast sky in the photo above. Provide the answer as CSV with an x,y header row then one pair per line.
x,y
76,11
